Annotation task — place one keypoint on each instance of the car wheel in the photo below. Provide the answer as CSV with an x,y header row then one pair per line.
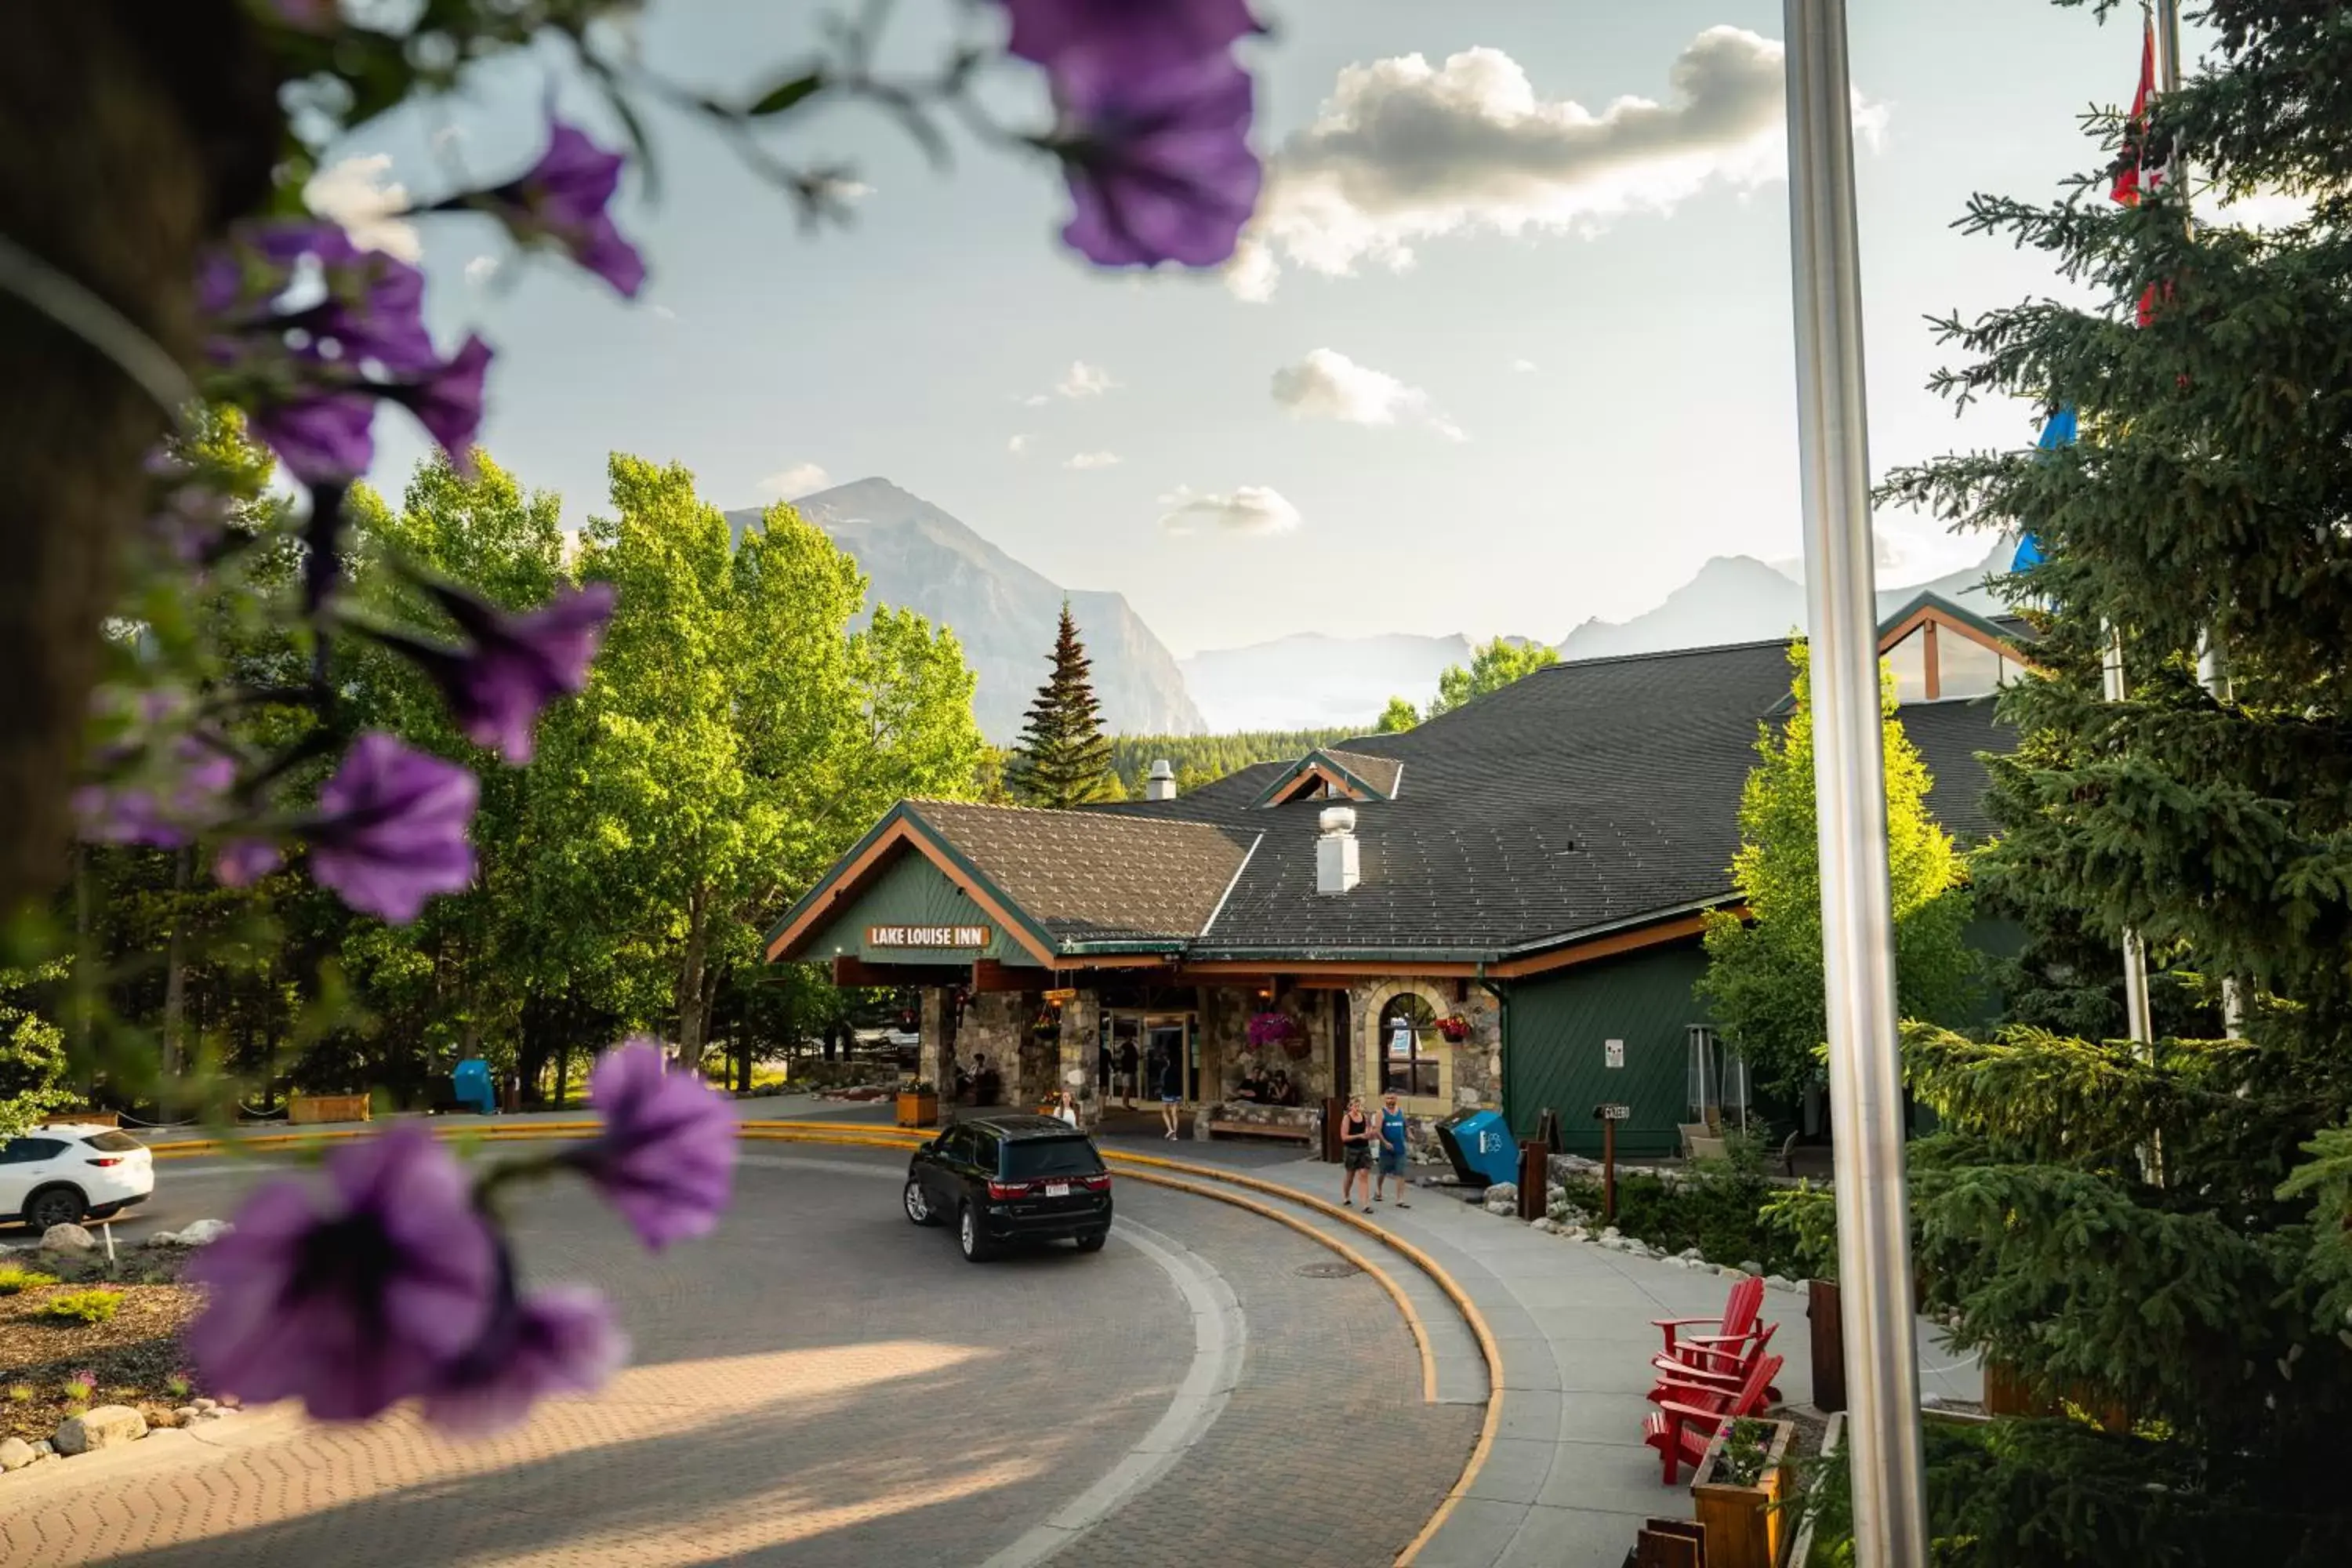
x,y
55,1205
976,1247
918,1202
1093,1240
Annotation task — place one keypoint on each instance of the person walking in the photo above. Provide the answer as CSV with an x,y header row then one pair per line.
x,y
1127,1074
1354,1152
1171,1092
1391,1150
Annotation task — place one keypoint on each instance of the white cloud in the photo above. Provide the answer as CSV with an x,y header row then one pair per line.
x,y
480,269
1403,151
665,312
1246,510
1018,445
800,479
2257,209
444,137
1327,384
1252,272
1084,379
1524,366
355,193
1093,460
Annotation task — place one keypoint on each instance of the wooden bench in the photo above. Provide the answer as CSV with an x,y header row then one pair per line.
x,y
1262,1129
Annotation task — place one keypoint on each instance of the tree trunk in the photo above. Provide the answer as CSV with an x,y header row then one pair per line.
x,y
175,973
689,982
130,135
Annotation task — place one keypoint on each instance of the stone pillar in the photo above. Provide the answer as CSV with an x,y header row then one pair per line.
x,y
931,1062
992,1025
1081,1032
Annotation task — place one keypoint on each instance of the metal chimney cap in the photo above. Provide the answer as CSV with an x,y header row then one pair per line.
x,y
1337,819
1162,769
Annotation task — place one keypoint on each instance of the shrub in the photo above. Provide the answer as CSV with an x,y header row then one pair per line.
x,y
82,1306
16,1277
21,1392
1717,1206
178,1387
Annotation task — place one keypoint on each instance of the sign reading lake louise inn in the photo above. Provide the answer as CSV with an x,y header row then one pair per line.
x,y
953,937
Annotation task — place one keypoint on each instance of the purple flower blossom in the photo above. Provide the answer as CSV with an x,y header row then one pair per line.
x,y
354,1298
564,197
375,313
667,1156
448,403
514,665
1138,37
562,1340
392,829
324,439
164,815
1159,165
241,862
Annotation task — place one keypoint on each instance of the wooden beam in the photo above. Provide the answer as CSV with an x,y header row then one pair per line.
x,y
848,971
988,974
1609,946
1308,973
1929,662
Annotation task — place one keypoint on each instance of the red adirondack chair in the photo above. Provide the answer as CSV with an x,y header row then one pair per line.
x,y
1706,1351
1721,1366
1680,1428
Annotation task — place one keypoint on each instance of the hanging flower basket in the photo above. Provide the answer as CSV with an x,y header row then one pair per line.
x,y
1271,1029
1456,1029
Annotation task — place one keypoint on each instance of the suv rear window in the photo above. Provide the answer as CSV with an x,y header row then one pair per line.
x,y
111,1142
1026,1159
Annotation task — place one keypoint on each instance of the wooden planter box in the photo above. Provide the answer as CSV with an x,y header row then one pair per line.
x,y
307,1109
918,1109
2007,1392
1745,1527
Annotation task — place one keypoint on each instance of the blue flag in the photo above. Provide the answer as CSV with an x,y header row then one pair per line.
x,y
2059,431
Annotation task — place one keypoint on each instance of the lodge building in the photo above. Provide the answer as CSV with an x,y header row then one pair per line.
x,y
1500,908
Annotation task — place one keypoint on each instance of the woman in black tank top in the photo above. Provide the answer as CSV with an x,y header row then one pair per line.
x,y
1356,1153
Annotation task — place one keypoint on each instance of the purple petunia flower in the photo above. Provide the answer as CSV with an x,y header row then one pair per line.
x,y
375,313
667,1156
324,439
514,665
165,815
241,862
1136,38
448,403
392,829
354,1298
562,1340
1159,165
565,197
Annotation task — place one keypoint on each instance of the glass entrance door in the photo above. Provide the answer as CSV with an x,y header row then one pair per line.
x,y
1157,1040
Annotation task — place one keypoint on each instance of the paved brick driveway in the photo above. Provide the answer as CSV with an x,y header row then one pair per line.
x,y
821,1384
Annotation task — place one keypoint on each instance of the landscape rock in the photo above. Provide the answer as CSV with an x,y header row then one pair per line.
x,y
16,1454
162,1238
185,1413
1780,1282
67,1239
1751,1267
203,1406
1610,1233
1543,1225
44,1450
108,1426
1688,1252
205,1232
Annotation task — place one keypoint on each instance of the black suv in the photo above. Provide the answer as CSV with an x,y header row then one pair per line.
x,y
1011,1177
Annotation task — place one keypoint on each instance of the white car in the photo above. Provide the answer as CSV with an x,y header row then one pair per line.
x,y
65,1174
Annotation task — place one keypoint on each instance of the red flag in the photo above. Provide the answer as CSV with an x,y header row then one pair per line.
x,y
2136,174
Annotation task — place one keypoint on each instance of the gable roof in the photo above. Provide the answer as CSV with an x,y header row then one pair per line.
x,y
1355,776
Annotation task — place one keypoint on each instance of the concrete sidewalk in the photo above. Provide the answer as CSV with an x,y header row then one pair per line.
x,y
1569,1480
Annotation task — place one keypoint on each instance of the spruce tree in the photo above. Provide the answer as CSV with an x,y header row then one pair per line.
x,y
1064,758
2165,1233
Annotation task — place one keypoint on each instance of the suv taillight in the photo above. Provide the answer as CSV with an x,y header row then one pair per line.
x,y
1002,1190
116,1159
1096,1183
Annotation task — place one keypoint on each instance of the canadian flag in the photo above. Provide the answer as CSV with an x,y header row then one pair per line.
x,y
2140,171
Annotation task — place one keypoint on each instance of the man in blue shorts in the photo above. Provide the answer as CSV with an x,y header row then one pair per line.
x,y
1391,1154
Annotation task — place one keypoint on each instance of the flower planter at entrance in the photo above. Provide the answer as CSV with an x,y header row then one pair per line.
x,y
309,1110
1745,1526
917,1109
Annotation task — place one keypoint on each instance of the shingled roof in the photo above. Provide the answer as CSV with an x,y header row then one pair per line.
x,y
1089,878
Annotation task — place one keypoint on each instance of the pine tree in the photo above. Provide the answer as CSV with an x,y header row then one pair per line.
x,y
1763,980
2167,1231
1064,757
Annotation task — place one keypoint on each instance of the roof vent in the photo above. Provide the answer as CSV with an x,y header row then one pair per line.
x,y
1334,852
1160,783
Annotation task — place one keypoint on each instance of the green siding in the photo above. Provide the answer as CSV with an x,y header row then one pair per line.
x,y
1554,1056
911,891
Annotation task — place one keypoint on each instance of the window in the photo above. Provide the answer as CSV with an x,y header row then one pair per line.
x,y
1967,667
985,1152
1909,659
25,1150
1408,1044
111,1142
1030,1158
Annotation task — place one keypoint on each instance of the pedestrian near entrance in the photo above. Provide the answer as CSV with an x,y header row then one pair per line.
x,y
1354,1152
1127,1074
1171,1092
1391,1150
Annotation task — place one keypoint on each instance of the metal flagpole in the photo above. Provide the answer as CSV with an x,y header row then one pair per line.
x,y
2213,660
1890,1525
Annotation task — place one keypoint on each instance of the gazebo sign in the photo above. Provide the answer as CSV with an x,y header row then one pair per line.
x,y
950,937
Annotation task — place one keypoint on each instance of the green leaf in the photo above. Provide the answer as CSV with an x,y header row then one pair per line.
x,y
784,95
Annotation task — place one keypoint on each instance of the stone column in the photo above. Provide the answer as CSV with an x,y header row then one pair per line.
x,y
1081,1029
931,1062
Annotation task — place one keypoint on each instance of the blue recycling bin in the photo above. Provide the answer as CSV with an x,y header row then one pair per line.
x,y
1480,1144
470,1084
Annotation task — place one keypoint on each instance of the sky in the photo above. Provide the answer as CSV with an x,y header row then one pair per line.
x,y
1508,345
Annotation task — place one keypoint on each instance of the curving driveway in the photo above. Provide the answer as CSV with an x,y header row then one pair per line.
x,y
821,1383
